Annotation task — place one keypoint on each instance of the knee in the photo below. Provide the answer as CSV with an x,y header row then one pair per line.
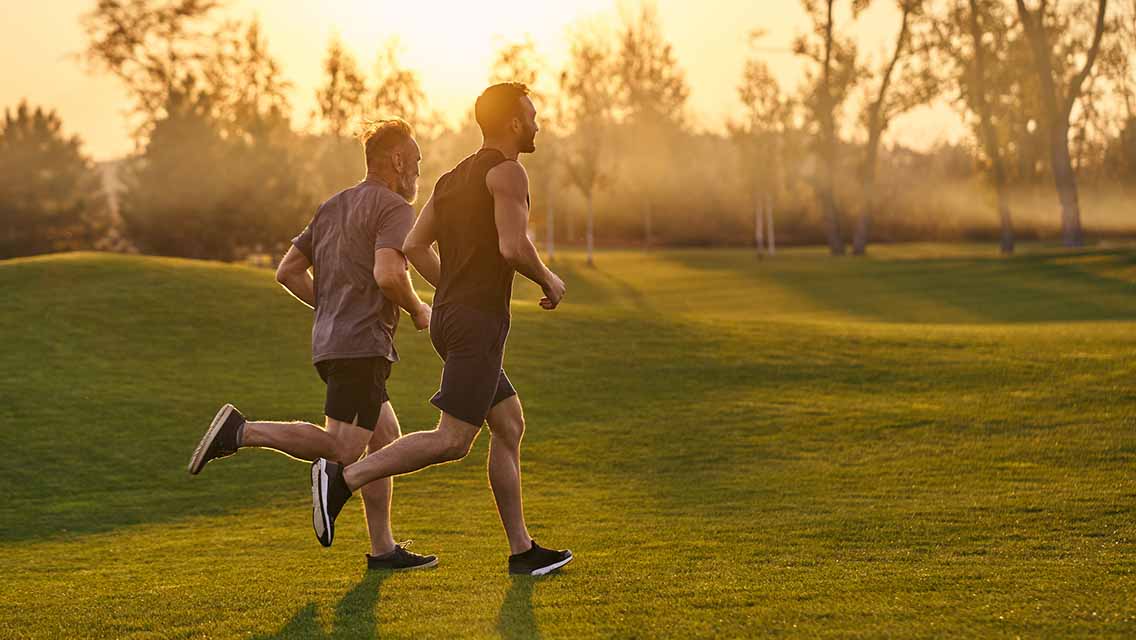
x,y
346,452
510,432
456,444
383,435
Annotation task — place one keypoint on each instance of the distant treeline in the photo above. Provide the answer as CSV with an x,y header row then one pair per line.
x,y
221,171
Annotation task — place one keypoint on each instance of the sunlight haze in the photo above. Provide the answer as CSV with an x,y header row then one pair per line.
x,y
450,45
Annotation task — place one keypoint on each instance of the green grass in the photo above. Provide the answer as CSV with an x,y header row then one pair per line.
x,y
928,442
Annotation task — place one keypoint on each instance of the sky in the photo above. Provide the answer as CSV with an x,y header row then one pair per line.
x,y
451,46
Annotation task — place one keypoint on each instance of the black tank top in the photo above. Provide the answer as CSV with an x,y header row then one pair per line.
x,y
473,271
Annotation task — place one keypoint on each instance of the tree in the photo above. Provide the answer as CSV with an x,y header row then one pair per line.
x,y
588,89
398,90
340,99
1061,85
174,203
652,97
51,198
902,86
152,46
760,137
517,62
986,124
339,103
828,88
219,176
245,82
979,41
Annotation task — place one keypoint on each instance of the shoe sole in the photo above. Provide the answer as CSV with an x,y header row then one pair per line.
x,y
549,569
319,508
197,461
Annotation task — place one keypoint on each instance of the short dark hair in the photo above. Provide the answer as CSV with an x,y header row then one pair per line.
x,y
499,104
382,136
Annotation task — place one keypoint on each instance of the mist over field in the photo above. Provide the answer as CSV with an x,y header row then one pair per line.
x,y
225,167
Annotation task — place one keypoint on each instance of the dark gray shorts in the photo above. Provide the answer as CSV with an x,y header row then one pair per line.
x,y
356,389
471,342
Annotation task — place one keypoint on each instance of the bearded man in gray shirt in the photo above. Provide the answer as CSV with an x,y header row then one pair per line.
x,y
354,246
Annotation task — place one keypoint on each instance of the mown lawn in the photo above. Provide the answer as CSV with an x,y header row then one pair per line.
x,y
929,442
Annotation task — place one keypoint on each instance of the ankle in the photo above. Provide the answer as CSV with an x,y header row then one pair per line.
x,y
517,547
382,548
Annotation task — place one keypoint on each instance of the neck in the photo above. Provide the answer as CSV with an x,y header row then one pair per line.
x,y
382,178
508,149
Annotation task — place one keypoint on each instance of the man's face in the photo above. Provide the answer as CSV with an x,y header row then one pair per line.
x,y
410,157
526,136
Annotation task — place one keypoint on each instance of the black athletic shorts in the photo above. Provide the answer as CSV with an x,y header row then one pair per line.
x,y
356,389
471,342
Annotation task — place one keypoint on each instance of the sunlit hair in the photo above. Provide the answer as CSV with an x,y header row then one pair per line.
x,y
497,105
380,137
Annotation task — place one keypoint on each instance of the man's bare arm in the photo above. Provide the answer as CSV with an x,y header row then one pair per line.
x,y
509,185
393,277
419,246
292,274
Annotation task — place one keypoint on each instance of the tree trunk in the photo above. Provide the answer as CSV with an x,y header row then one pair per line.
x,y
769,236
589,232
1057,109
831,221
989,135
877,122
863,223
1066,183
828,145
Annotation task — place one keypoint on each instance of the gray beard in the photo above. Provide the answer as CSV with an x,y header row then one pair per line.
x,y
408,191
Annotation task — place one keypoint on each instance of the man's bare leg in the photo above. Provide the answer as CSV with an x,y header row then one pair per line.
x,y
507,427
377,495
341,441
449,441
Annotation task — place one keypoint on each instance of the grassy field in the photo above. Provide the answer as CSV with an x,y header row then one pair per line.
x,y
929,442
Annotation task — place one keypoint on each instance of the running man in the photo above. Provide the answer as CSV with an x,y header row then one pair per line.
x,y
361,279
478,215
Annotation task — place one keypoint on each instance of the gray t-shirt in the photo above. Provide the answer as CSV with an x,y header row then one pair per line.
x,y
353,319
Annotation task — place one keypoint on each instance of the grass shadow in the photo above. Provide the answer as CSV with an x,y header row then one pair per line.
x,y
516,620
1042,287
354,614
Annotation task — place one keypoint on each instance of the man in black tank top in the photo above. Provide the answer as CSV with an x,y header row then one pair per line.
x,y
478,215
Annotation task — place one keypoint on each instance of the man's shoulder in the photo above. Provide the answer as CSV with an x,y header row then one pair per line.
x,y
508,176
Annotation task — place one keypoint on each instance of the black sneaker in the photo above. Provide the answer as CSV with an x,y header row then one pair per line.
x,y
538,561
329,494
220,441
401,559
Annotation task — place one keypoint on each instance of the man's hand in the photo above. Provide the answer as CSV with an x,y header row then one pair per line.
x,y
553,291
422,317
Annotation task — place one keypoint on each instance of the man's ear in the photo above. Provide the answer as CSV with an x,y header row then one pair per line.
x,y
396,161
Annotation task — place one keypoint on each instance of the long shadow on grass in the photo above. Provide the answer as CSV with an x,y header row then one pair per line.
x,y
516,620
1066,287
354,614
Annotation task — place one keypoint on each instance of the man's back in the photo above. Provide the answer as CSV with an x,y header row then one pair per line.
x,y
353,319
473,271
